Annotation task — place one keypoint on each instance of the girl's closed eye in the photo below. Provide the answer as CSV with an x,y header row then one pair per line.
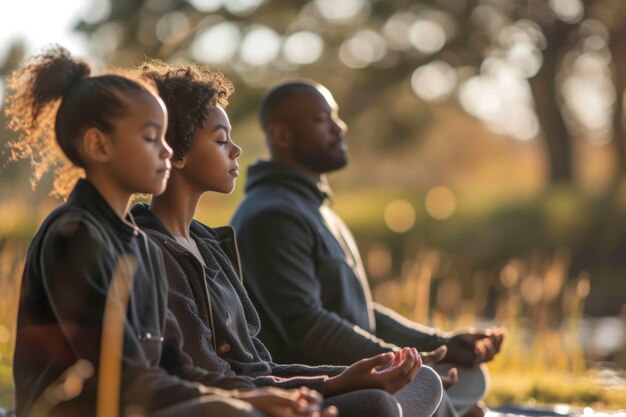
x,y
151,135
221,139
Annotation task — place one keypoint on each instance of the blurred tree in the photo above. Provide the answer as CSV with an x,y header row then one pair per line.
x,y
521,66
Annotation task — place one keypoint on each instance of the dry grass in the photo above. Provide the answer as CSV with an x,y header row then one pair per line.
x,y
541,361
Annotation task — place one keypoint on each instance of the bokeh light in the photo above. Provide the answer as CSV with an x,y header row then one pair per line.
x,y
427,36
434,81
95,11
260,45
303,47
510,274
399,216
216,44
570,11
206,5
342,11
532,289
242,7
378,261
396,30
501,98
362,49
173,27
107,37
526,57
590,95
440,203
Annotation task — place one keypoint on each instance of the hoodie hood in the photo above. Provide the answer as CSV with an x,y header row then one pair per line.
x,y
270,172
146,219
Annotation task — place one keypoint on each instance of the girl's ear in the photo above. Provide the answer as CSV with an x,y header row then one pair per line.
x,y
96,145
179,163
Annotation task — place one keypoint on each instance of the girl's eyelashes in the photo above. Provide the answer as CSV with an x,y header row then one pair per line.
x,y
150,139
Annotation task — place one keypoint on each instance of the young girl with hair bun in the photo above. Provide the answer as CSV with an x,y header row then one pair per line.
x,y
94,335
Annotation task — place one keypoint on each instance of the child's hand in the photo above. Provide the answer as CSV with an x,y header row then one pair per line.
x,y
434,356
276,402
387,371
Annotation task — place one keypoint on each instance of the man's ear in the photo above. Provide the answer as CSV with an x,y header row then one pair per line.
x,y
281,134
96,145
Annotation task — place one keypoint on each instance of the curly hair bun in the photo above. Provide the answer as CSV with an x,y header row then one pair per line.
x,y
57,72
45,78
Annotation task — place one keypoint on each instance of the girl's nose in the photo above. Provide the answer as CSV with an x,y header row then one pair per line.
x,y
166,150
236,151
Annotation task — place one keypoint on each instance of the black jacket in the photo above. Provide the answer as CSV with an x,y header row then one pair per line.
x,y
69,269
305,275
217,318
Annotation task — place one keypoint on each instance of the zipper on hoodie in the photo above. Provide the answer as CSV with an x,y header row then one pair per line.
x,y
207,293
238,258
208,297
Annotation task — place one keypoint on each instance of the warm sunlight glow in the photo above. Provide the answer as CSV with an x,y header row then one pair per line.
x,y
399,216
51,23
5,335
440,203
95,11
303,47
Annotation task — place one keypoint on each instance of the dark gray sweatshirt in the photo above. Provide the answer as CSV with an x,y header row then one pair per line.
x,y
217,318
65,287
305,275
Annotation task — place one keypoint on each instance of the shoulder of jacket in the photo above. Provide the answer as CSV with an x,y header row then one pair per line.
x,y
70,221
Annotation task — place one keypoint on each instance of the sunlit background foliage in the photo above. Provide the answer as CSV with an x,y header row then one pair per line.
x,y
488,155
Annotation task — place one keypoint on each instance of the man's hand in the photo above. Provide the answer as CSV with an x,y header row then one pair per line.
x,y
387,371
448,380
472,347
276,402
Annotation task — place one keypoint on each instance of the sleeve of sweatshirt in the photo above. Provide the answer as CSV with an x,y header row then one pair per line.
x,y
290,370
277,248
400,331
77,270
